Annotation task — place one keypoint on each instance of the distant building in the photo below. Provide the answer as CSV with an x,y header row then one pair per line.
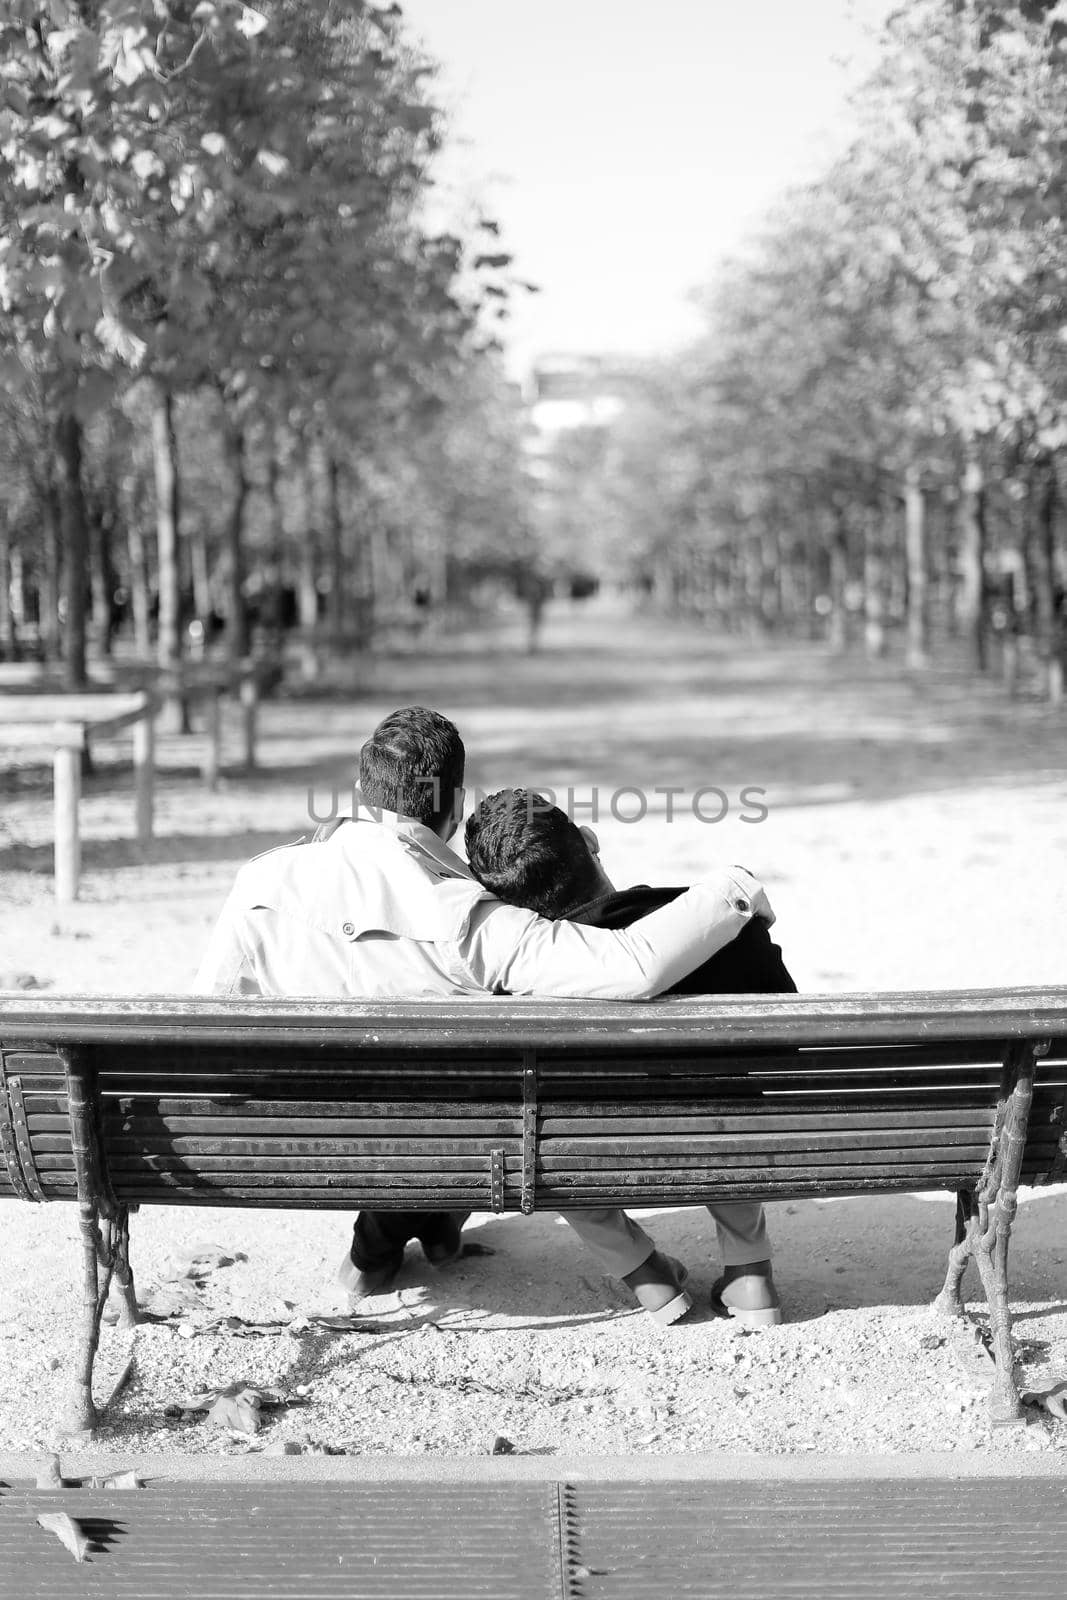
x,y
576,391
572,402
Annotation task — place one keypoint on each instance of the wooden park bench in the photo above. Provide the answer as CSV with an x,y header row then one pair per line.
x,y
521,1105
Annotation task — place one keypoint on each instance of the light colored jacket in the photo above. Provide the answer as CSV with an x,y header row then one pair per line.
x,y
384,909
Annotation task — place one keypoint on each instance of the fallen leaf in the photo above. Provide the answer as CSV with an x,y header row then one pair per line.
x,y
123,1480
243,1329
237,1406
346,1324
172,1298
50,1476
203,1259
67,1531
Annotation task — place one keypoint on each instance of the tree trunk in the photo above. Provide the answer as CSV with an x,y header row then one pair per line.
x,y
200,574
814,572
839,584
1049,623
307,587
874,583
100,577
236,623
945,549
306,544
75,536
383,579
140,593
972,606
918,629
755,621
49,567
18,589
335,544
275,574
165,464
7,619
772,558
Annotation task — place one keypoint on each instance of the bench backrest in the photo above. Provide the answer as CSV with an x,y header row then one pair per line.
x,y
506,1105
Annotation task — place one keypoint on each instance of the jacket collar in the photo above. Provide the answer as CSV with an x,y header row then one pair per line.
x,y
416,835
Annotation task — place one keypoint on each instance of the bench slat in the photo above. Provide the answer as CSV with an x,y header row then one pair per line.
x,y
549,1163
48,1114
711,1146
51,1113
743,1021
631,1051
558,1198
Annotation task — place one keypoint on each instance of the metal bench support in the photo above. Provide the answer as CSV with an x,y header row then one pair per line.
x,y
105,1231
984,1220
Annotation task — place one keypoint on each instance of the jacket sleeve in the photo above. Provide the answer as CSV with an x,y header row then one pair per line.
x,y
752,964
511,951
227,967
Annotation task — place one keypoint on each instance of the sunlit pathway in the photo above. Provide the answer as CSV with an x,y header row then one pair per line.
x,y
912,832
915,834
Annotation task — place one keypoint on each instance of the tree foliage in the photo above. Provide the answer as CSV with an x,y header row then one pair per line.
x,y
872,430
210,200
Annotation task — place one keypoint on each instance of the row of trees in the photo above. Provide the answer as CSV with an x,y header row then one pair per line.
x,y
873,430
239,367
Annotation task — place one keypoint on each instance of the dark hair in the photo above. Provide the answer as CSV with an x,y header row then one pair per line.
x,y
413,764
530,853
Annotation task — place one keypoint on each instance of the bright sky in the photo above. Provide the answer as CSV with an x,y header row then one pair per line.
x,y
625,145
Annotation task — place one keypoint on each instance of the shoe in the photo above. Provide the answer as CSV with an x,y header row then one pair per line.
x,y
748,1295
443,1252
657,1284
361,1282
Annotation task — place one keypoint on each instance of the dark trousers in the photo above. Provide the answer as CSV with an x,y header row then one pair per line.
x,y
380,1236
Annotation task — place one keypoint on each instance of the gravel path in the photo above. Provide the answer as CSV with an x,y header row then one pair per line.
x,y
916,836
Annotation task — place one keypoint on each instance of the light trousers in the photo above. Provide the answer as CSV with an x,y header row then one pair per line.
x,y
620,1244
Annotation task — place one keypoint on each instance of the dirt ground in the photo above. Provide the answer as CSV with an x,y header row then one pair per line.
x,y
915,837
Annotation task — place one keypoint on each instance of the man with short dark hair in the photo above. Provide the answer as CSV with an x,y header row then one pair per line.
x,y
531,854
413,764
378,907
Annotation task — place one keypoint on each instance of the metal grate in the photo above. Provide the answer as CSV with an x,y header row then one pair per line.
x,y
297,1541
872,1540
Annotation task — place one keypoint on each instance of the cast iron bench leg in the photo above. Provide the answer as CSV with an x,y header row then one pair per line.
x,y
991,1253
985,1232
122,1273
997,1205
105,1231
950,1301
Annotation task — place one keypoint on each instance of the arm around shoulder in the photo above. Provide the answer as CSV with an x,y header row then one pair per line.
x,y
517,952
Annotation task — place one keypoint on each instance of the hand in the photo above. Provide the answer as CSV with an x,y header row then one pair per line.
x,y
755,893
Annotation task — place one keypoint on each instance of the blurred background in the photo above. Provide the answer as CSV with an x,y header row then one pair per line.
x,y
673,397
320,322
